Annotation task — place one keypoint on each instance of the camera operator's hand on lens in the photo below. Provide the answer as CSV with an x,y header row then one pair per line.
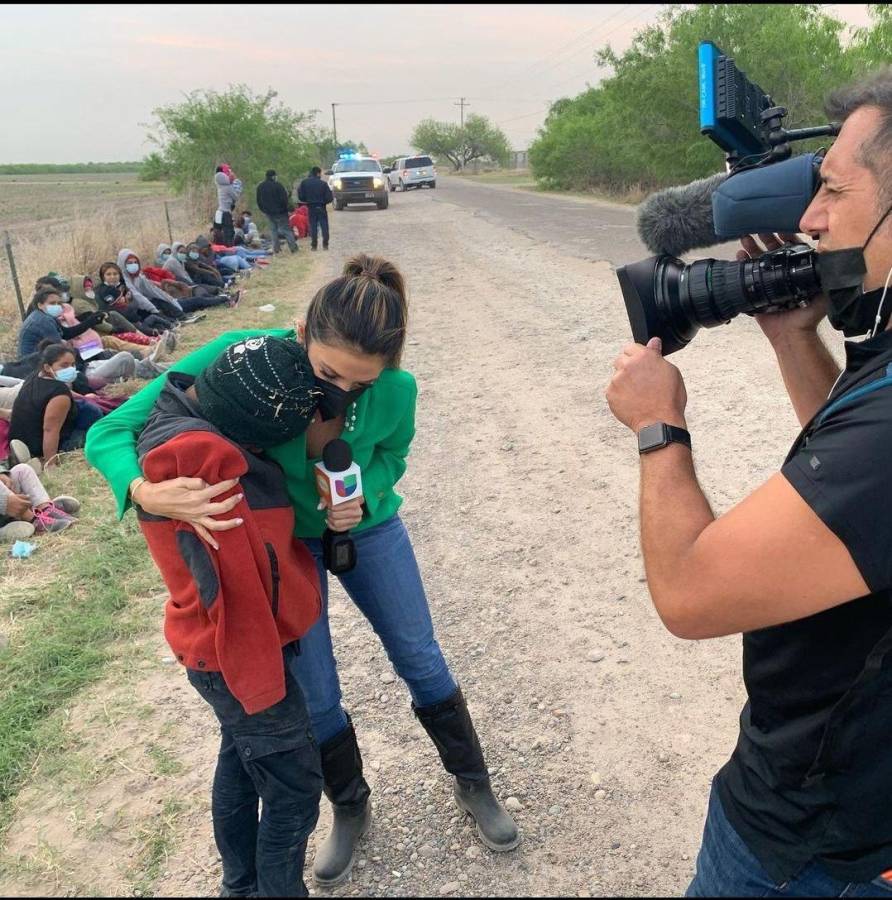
x,y
645,388
779,324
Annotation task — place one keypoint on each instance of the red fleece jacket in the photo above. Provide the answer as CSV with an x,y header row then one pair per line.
x,y
156,274
233,610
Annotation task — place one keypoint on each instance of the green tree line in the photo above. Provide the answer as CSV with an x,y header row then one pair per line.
x,y
87,168
251,132
640,126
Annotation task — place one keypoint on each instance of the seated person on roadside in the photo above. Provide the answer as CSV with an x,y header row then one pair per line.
x,y
235,616
181,309
26,508
802,567
44,321
84,301
172,259
250,231
45,417
202,267
112,294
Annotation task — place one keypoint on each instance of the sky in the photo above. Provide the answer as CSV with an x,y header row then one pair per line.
x,y
81,81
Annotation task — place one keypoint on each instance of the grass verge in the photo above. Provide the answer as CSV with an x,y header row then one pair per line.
x,y
80,599
524,181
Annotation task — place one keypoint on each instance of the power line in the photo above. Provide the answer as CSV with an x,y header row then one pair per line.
x,y
563,46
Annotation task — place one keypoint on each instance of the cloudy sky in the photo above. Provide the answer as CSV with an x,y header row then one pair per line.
x,y
81,81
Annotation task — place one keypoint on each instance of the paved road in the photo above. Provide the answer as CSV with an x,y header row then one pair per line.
x,y
586,229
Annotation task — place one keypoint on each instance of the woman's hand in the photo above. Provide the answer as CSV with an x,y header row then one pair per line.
x,y
344,516
189,500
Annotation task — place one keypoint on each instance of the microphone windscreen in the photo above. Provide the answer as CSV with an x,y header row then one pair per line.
x,y
337,455
679,219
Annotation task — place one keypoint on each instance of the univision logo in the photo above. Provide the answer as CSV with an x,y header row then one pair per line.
x,y
346,486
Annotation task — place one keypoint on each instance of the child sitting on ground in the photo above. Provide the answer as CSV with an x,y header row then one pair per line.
x,y
26,508
235,616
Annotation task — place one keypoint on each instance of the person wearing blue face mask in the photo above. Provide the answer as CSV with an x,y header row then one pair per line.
x,y
43,321
45,417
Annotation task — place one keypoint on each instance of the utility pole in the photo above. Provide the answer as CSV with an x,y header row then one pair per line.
x,y
462,103
334,124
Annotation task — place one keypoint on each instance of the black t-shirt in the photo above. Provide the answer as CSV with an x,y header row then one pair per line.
x,y
26,422
811,777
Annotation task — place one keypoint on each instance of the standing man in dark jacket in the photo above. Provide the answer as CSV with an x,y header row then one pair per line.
x,y
272,199
316,194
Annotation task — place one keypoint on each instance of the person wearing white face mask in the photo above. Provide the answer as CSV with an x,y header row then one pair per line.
x,y
45,418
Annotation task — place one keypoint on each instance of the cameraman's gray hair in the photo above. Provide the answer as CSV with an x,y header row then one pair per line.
x,y
873,90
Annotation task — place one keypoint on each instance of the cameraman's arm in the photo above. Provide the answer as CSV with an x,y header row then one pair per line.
x,y
808,369
772,558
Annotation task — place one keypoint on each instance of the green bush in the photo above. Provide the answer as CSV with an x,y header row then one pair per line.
x,y
641,124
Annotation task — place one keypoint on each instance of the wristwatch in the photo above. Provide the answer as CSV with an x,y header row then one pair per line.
x,y
653,437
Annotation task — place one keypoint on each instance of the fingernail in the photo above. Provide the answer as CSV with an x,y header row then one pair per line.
x,y
240,521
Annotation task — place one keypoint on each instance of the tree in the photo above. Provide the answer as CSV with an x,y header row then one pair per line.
x,y
640,126
154,168
251,132
479,139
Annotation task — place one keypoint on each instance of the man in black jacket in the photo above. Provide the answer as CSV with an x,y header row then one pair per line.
x,y
272,200
316,194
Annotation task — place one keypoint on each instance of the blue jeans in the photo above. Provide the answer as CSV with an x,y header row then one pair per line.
x,y
726,867
87,414
271,757
318,219
386,586
234,262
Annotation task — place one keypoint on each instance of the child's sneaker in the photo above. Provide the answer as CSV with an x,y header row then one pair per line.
x,y
233,300
15,531
69,505
46,523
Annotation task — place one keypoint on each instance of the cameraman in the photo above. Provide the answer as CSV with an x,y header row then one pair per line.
x,y
802,567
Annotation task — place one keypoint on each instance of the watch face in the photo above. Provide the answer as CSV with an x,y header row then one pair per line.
x,y
651,437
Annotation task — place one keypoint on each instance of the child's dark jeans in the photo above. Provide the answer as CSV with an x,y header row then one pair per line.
x,y
270,756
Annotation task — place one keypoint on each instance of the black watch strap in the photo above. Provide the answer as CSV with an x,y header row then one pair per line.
x,y
658,435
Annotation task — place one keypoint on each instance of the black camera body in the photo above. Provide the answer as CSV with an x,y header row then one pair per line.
x,y
766,190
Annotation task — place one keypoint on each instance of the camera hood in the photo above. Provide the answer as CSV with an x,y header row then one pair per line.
x,y
641,284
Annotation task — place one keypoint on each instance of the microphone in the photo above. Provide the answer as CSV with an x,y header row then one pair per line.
x,y
678,219
763,199
338,480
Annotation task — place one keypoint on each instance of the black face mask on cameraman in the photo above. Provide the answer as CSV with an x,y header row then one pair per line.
x,y
335,401
851,311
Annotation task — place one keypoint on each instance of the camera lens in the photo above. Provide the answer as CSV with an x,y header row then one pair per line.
x,y
667,299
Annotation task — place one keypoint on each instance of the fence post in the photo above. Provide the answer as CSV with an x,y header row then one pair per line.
x,y
167,215
15,275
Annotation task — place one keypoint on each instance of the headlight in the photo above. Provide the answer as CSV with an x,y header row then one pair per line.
x,y
378,182
338,184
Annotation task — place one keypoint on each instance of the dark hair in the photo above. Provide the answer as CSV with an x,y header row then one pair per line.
x,y
875,154
364,310
54,353
315,170
218,169
110,265
41,295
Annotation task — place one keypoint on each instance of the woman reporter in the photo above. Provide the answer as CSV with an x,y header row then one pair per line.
x,y
354,334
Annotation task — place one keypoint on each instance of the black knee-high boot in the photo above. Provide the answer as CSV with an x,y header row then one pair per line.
x,y
348,792
449,726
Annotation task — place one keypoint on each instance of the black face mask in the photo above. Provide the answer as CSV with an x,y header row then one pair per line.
x,y
335,401
842,272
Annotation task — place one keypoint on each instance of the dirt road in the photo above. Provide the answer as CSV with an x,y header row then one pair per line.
x,y
521,499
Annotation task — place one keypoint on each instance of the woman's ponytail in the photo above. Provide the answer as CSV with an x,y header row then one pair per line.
x,y
364,310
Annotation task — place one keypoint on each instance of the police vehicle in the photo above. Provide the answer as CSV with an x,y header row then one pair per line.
x,y
358,179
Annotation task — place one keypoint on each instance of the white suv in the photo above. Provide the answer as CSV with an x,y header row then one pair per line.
x,y
412,171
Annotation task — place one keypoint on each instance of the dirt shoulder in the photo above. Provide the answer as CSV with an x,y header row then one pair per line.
x,y
521,499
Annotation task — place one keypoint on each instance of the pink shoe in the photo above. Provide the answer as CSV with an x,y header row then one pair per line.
x,y
45,522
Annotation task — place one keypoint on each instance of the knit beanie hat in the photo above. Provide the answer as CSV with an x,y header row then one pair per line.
x,y
259,392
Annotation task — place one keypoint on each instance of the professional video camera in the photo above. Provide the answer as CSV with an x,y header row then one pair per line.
x,y
765,190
